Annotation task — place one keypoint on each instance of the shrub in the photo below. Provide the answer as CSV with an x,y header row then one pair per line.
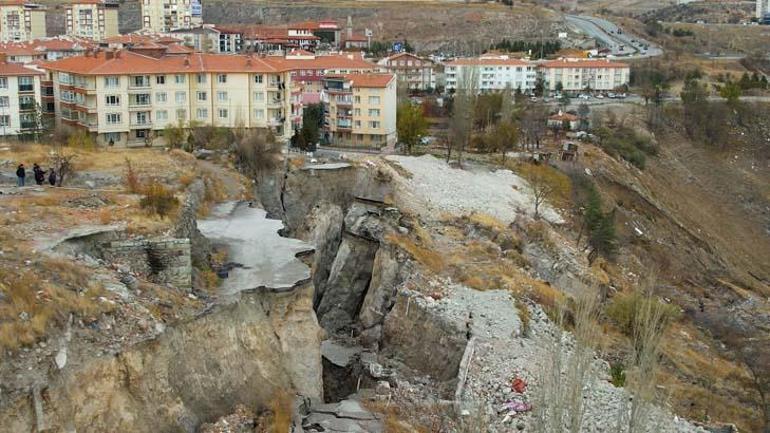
x,y
158,199
627,144
617,374
624,308
133,185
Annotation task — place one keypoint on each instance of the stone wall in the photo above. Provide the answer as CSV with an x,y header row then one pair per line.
x,y
162,261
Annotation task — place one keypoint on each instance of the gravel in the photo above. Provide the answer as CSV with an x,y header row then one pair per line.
x,y
435,187
502,354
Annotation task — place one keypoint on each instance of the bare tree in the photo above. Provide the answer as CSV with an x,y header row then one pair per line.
x,y
560,401
649,323
533,125
545,184
463,109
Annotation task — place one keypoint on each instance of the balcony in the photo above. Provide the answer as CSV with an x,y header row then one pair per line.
x,y
26,88
275,121
341,124
140,124
29,125
27,106
275,103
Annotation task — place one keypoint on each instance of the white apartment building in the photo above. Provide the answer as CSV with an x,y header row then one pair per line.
x,y
21,21
162,16
413,72
93,19
128,99
584,74
19,98
492,73
763,8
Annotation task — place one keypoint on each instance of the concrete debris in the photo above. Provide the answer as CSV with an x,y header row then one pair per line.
x,y
337,354
347,416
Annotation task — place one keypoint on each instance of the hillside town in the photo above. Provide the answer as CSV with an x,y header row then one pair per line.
x,y
381,216
125,90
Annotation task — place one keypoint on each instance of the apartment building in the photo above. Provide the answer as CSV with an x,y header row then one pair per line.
x,y
576,75
309,69
762,8
491,73
93,19
21,21
45,49
162,16
127,99
209,38
413,72
360,110
20,98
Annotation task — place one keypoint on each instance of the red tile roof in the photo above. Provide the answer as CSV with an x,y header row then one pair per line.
x,y
7,69
330,61
487,61
582,63
41,46
370,80
126,62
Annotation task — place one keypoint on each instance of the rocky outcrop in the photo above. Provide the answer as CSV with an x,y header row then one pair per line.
x,y
244,352
348,280
387,270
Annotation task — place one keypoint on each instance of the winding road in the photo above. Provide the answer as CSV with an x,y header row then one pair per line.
x,y
609,35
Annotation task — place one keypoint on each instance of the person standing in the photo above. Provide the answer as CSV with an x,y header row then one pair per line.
x,y
52,176
21,173
39,174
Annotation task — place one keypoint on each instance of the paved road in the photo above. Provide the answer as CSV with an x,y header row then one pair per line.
x,y
617,40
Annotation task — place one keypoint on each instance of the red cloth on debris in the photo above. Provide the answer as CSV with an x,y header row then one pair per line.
x,y
519,385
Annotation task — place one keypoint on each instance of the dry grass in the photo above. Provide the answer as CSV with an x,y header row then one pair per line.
x,y
422,254
39,296
281,408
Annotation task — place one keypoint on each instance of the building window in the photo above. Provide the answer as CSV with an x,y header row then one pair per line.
x,y
358,99
357,123
201,78
222,78
141,80
259,113
26,84
4,102
161,115
112,100
374,124
113,118
374,100
222,96
202,96
223,113
203,113
357,112
3,82
181,114
111,82
179,78
259,96
374,112
181,97
160,79
5,121
160,97
258,79
27,103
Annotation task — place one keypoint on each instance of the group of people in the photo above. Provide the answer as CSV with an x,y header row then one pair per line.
x,y
39,174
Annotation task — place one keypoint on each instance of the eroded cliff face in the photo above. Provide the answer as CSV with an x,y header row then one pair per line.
x,y
244,352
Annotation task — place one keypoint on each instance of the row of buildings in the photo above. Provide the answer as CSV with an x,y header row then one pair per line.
x,y
126,90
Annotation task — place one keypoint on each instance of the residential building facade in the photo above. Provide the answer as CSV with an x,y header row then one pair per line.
x,y
128,99
491,74
20,99
413,72
360,110
576,75
45,49
93,19
209,38
762,8
21,21
308,69
162,16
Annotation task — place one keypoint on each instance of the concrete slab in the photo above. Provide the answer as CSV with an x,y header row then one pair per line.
x,y
252,240
330,166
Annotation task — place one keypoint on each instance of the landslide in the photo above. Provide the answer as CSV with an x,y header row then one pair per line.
x,y
698,217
